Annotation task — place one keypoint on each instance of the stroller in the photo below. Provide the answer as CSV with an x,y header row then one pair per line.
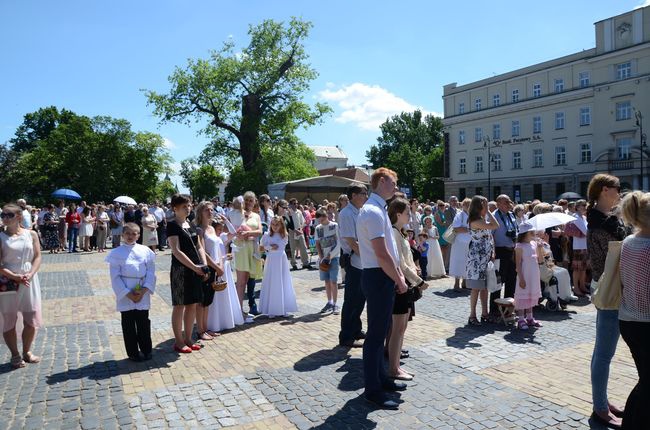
x,y
556,286
551,292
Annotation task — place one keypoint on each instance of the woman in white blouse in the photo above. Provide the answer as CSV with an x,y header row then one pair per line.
x,y
460,246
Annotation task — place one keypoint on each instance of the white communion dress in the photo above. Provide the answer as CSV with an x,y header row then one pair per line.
x,y
277,296
225,311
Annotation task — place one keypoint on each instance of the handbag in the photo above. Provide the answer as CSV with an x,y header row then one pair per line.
x,y
218,283
491,277
607,291
450,235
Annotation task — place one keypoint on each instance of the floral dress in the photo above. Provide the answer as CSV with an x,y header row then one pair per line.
x,y
479,254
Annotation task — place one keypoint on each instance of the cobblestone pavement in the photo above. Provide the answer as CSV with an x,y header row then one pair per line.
x,y
289,373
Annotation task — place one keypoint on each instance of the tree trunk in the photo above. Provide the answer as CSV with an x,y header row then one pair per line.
x,y
249,129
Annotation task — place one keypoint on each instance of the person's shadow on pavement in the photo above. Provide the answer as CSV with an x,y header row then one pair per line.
x,y
162,355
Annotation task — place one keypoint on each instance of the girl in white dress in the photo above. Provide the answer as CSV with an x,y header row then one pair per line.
x,y
277,296
460,247
225,312
435,265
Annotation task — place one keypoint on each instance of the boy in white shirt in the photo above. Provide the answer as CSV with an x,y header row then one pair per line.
x,y
133,278
328,246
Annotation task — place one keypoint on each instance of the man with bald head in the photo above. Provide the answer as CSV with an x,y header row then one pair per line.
x,y
505,238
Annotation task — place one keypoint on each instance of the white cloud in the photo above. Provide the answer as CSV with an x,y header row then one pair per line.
x,y
169,144
366,106
644,4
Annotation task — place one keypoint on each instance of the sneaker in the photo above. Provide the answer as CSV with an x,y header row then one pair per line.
x,y
326,308
249,320
336,310
254,311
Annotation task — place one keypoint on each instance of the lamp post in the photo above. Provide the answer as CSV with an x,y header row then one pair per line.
x,y
487,143
642,142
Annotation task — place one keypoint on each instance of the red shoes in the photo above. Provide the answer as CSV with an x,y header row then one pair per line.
x,y
183,350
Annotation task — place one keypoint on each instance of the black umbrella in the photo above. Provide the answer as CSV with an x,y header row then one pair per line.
x,y
569,196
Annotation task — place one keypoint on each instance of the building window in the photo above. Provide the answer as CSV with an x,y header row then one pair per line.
x,y
623,148
496,100
624,70
496,190
477,104
537,191
516,160
479,191
585,152
461,108
496,131
623,111
496,159
560,188
515,128
462,166
585,116
559,120
537,90
560,156
537,124
515,96
478,134
461,137
479,164
462,194
559,85
538,158
584,79
516,193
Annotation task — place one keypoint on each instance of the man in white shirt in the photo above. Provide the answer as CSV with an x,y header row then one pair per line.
x,y
295,228
353,300
161,219
380,279
27,217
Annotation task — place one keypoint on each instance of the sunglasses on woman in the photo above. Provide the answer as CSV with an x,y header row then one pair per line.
x,y
7,215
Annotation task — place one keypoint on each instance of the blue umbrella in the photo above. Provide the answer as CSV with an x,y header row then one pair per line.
x,y
64,193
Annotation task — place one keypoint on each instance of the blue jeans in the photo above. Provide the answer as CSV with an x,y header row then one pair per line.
x,y
379,290
72,238
607,334
353,303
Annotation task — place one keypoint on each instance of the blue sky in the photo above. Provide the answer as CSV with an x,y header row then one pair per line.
x,y
375,58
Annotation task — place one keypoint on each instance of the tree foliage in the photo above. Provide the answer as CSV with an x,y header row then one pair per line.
x,y
248,100
98,157
203,180
411,145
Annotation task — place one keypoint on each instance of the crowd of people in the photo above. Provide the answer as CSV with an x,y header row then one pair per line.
x,y
385,247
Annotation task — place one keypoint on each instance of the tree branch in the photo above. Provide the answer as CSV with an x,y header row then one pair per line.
x,y
216,121
244,85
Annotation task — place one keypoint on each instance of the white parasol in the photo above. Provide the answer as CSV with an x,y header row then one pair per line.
x,y
126,200
551,219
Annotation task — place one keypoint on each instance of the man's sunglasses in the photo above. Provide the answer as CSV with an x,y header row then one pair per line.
x,y
8,215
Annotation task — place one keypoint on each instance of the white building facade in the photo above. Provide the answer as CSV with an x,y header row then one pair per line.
x,y
540,131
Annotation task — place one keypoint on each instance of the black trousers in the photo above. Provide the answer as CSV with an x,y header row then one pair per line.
x,y
162,236
353,303
637,337
379,290
136,329
508,272
250,292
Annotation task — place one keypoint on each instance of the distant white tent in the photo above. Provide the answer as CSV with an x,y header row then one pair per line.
x,y
318,188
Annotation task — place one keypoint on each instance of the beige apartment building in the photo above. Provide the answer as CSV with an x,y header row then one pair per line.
x,y
548,128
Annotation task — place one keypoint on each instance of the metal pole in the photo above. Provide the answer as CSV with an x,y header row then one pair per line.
x,y
639,123
486,143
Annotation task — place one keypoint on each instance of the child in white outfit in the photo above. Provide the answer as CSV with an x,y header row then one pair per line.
x,y
277,296
133,278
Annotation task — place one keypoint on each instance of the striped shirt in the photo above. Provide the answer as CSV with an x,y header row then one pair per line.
x,y
635,277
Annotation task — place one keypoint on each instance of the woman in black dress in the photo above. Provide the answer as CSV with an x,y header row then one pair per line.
x,y
188,273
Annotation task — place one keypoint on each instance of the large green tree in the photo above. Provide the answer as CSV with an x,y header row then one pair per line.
x,y
203,180
411,144
99,157
248,99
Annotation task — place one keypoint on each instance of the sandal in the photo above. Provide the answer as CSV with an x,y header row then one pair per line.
x,y
533,323
473,321
521,324
205,336
183,350
17,362
213,333
28,357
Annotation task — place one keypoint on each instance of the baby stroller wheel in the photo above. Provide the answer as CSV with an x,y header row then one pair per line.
x,y
563,304
551,305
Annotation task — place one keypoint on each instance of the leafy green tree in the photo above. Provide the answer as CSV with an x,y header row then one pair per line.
x,y
248,99
280,165
165,189
203,180
99,157
412,145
